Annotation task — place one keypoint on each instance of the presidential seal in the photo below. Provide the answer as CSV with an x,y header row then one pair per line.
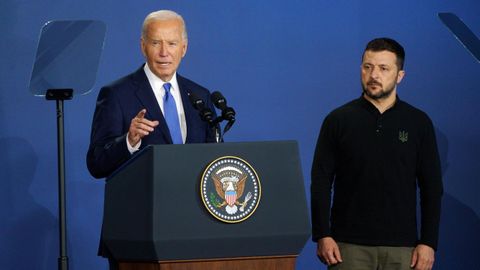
x,y
230,189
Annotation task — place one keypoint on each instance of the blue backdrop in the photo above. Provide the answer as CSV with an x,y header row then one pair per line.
x,y
282,64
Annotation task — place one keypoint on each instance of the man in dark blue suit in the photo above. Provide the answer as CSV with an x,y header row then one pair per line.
x,y
149,106
130,112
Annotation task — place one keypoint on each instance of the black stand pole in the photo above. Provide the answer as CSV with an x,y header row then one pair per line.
x,y
218,132
59,95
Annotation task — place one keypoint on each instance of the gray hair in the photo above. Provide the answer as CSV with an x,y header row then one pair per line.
x,y
164,15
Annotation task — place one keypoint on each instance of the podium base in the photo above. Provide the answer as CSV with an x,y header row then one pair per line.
x,y
250,263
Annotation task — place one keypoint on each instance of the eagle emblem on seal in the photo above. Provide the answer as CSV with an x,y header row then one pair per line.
x,y
229,185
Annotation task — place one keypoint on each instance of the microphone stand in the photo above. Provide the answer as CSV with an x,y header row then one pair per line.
x,y
218,130
228,126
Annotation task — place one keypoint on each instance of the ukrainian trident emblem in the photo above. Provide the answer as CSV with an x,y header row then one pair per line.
x,y
403,136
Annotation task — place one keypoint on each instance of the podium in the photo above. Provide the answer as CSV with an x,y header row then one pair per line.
x,y
154,216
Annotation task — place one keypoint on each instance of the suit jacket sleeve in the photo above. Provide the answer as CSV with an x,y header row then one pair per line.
x,y
108,148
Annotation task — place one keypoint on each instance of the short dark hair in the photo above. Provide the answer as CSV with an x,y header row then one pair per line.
x,y
387,44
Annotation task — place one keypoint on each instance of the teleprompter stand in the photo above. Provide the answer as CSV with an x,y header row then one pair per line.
x,y
66,63
59,95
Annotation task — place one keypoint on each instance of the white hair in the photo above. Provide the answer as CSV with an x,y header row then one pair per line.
x,y
164,15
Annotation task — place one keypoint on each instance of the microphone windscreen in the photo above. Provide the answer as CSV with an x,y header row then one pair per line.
x,y
218,100
196,101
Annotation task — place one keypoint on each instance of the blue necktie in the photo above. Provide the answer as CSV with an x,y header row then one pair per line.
x,y
171,115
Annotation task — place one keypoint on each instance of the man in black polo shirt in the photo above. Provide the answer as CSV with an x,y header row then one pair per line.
x,y
374,151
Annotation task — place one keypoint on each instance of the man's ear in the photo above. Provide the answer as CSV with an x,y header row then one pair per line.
x,y
400,76
142,46
184,49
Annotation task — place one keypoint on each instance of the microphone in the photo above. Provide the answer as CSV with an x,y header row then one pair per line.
x,y
205,113
220,102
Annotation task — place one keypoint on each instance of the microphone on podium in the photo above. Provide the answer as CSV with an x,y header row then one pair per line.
x,y
220,102
205,113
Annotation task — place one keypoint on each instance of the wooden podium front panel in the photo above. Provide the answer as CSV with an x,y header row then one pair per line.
x,y
256,263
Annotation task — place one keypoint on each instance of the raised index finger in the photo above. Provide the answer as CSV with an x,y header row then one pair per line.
x,y
142,120
141,114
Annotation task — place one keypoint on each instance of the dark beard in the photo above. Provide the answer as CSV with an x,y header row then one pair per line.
x,y
383,94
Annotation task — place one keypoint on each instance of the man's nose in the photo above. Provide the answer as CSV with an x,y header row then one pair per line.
x,y
162,50
375,72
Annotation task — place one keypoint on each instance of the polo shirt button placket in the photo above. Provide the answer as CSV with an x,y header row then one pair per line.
x,y
379,125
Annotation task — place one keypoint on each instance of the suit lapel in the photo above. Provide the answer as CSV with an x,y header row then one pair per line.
x,y
188,108
144,93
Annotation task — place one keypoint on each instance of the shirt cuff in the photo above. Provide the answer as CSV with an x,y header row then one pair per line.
x,y
133,149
